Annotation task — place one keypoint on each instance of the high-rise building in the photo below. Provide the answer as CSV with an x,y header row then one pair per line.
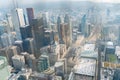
x,y
5,40
19,45
18,21
60,68
65,31
32,62
4,71
20,17
59,30
38,34
25,32
45,16
10,23
49,37
13,50
3,52
83,25
30,14
28,45
43,63
69,28
18,61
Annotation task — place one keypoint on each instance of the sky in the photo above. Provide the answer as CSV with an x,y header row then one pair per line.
x,y
7,2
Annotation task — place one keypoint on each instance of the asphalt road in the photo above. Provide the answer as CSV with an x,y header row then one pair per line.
x,y
99,63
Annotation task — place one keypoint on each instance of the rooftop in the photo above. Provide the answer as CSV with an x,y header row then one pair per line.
x,y
89,54
89,47
57,64
18,41
85,67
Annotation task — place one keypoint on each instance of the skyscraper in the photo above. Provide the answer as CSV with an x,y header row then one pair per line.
x,y
26,32
19,45
10,23
28,45
18,61
83,25
59,30
30,14
18,21
43,63
38,34
69,29
20,17
5,40
65,32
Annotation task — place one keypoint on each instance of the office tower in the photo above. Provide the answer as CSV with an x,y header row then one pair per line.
x,y
83,25
38,34
67,18
4,71
32,62
53,27
109,48
68,21
59,69
110,52
28,45
45,16
9,52
65,31
29,31
18,61
69,29
5,40
25,32
49,37
79,28
18,21
43,63
19,45
60,50
52,40
10,23
3,52
30,14
88,29
13,50
20,17
59,30
53,58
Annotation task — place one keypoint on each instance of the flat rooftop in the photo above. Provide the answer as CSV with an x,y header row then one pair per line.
x,y
89,54
85,67
89,47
